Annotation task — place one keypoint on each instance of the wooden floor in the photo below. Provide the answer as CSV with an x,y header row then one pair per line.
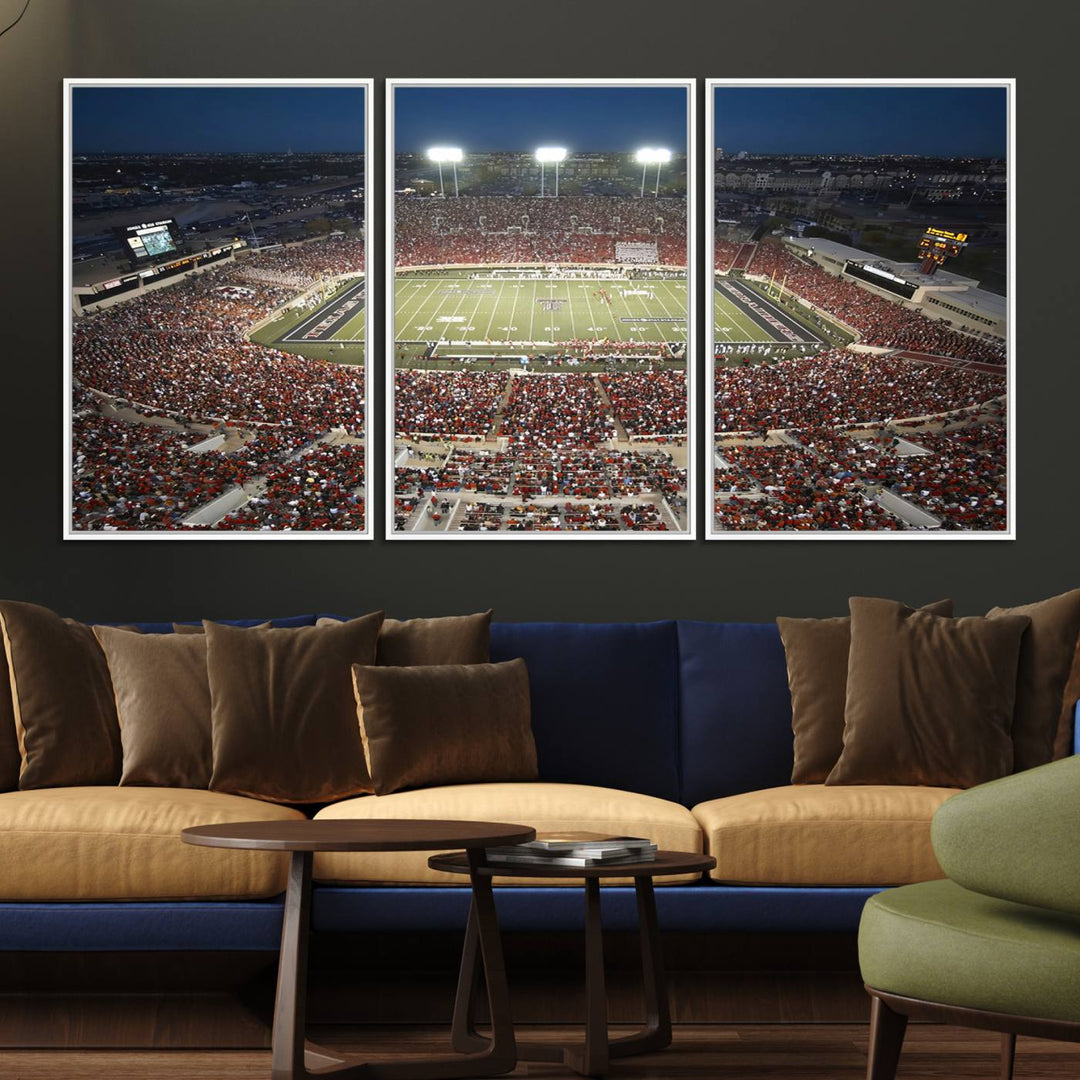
x,y
700,1052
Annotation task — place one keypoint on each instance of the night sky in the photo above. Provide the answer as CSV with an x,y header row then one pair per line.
x,y
581,118
935,121
238,119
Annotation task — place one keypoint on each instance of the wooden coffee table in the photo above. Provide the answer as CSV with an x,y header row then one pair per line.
x,y
294,1059
591,1058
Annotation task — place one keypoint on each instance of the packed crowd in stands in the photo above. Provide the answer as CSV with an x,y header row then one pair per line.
x,y
556,412
510,229
181,353
724,252
454,403
879,321
322,489
838,388
300,266
568,517
830,480
532,474
141,476
648,403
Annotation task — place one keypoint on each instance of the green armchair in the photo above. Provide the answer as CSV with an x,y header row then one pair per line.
x,y
997,944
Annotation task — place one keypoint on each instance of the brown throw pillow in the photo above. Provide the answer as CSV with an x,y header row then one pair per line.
x,y
817,661
9,740
445,724
1046,657
929,700
62,697
1066,733
454,639
197,628
163,702
282,710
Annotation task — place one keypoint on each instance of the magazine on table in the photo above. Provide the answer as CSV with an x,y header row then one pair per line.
x,y
575,849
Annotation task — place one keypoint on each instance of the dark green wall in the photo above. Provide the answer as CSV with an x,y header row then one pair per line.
x,y
555,38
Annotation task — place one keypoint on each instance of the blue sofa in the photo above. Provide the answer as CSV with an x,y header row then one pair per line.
x,y
681,711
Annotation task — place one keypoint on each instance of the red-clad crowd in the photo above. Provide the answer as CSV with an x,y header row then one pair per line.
x,y
724,252
556,412
830,481
514,229
446,403
840,388
321,490
180,352
142,476
648,403
570,517
879,321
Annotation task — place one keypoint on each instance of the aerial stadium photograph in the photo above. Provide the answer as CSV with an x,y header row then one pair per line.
x,y
860,315
541,309
216,289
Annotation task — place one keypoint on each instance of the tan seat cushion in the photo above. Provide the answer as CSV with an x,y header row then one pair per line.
x,y
810,834
123,843
546,807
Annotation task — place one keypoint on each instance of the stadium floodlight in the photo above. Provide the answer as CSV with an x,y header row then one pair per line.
x,y
448,154
647,156
550,153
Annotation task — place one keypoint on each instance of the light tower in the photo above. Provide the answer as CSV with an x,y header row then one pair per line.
x,y
550,153
647,156
448,154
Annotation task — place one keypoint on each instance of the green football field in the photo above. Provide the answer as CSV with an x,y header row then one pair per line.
x,y
744,314
341,341
475,313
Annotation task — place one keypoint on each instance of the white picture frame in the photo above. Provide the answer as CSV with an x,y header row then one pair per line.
x,y
690,86
371,287
712,532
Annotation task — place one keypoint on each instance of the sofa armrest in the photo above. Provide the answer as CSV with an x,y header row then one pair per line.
x,y
1017,838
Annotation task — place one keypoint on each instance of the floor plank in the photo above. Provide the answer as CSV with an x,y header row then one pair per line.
x,y
699,1052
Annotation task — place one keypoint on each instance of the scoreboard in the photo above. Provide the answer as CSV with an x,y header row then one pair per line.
x,y
151,239
937,245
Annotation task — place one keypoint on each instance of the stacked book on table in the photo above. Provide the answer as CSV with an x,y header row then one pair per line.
x,y
575,849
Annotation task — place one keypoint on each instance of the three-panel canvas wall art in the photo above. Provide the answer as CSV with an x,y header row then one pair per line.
x,y
543,348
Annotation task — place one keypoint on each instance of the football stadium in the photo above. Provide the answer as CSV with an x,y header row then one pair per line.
x,y
540,364
216,289
204,397
864,395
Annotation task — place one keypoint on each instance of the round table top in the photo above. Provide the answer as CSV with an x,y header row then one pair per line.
x,y
666,862
343,834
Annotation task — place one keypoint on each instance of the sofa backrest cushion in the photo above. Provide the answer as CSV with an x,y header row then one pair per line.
x,y
735,705
604,701
167,627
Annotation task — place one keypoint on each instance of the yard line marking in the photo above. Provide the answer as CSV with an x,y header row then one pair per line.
x,y
571,304
401,319
588,301
513,308
494,309
668,328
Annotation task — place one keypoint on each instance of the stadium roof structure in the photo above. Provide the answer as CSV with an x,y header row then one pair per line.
x,y
909,271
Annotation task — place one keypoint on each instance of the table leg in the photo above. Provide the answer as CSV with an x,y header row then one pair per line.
x,y
657,1031
294,1059
463,1034
287,1056
592,1059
